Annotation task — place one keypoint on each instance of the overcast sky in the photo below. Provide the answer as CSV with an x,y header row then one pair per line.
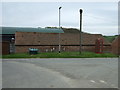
x,y
98,17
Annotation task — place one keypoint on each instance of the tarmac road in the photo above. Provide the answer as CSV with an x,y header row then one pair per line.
x,y
60,73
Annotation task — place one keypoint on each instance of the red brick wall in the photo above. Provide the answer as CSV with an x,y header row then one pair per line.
x,y
21,49
30,38
24,49
116,46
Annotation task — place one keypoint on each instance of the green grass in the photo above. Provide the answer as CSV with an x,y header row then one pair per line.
x,y
110,38
61,55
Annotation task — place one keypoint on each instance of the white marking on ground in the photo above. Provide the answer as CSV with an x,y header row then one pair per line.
x,y
102,81
92,81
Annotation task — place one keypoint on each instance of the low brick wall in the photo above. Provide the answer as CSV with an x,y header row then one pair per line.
x,y
25,49
107,49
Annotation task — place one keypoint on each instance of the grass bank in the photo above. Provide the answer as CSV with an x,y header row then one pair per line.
x,y
61,55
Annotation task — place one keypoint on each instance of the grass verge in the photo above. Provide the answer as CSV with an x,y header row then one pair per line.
x,y
61,55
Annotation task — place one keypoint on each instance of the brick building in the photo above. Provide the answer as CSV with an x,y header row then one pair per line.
x,y
19,40
48,42
116,45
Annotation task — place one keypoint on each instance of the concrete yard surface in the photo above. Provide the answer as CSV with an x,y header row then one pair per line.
x,y
60,73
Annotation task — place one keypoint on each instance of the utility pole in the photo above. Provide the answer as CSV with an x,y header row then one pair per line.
x,y
80,30
59,32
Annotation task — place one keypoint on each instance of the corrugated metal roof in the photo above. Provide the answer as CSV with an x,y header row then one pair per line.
x,y
12,30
